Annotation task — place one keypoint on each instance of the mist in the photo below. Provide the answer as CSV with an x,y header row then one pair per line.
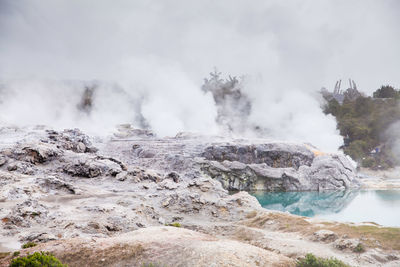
x,y
150,58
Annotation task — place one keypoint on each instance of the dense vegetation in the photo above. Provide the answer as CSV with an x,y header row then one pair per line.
x,y
311,261
364,123
37,259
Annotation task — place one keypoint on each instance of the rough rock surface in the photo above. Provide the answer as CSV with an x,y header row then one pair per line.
x,y
277,167
240,164
138,180
162,246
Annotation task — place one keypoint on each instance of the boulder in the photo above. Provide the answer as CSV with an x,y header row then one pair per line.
x,y
91,167
325,236
52,183
346,244
71,139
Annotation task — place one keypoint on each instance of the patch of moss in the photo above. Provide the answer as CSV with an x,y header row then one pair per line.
x,y
37,259
175,224
312,261
29,245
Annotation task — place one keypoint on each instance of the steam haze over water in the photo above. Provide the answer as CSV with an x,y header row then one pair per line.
x,y
150,57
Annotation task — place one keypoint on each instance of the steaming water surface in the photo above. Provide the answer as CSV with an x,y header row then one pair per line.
x,y
379,206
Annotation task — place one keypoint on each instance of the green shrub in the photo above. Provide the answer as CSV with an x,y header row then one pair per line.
x,y
37,259
16,253
311,261
368,162
29,245
386,91
359,248
364,125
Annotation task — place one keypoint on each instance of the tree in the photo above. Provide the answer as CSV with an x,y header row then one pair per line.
x,y
386,91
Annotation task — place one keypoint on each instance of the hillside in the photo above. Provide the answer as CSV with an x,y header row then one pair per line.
x,y
367,125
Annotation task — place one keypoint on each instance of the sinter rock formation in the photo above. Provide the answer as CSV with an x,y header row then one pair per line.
x,y
95,201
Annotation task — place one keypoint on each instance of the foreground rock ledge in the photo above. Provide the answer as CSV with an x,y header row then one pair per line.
x,y
62,188
166,246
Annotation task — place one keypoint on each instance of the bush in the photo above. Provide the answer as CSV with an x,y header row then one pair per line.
x,y
368,162
29,245
386,91
311,261
359,248
37,259
366,123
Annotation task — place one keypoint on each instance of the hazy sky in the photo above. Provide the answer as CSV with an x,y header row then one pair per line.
x,y
164,49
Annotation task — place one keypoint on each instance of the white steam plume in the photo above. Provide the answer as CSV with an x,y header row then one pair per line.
x,y
160,51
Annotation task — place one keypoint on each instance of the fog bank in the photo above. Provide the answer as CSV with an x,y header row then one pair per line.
x,y
149,59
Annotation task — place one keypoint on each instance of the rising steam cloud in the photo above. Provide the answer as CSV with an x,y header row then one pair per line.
x,y
149,59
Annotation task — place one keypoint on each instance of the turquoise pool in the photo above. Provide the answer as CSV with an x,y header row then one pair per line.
x,y
379,206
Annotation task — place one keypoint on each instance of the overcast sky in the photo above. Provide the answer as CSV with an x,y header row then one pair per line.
x,y
292,48
299,43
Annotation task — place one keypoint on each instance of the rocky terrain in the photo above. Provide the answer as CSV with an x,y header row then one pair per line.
x,y
109,201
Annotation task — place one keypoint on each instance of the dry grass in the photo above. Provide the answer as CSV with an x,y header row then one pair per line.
x,y
251,214
96,257
280,221
4,254
372,236
388,237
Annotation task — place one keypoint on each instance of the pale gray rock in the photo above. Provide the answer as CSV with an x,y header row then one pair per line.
x,y
346,244
282,168
52,183
72,139
3,160
40,237
26,213
325,236
35,153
